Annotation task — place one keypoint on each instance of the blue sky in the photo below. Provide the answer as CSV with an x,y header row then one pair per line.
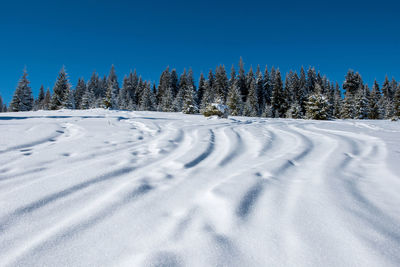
x,y
333,36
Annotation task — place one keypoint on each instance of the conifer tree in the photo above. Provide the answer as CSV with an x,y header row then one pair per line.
x,y
189,103
234,101
22,99
201,89
241,80
61,92
294,111
361,103
183,83
1,104
113,87
148,100
277,95
209,94
267,87
164,83
337,102
374,102
221,83
79,91
47,100
386,89
396,103
40,99
251,108
174,82
88,99
260,90
317,107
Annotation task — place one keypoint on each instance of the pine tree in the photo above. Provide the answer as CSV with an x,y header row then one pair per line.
x,y
209,94
241,80
317,107
47,100
80,89
386,89
294,112
396,103
234,101
40,99
260,90
277,96
267,87
251,108
174,82
201,89
127,94
148,100
22,99
337,102
361,103
178,101
189,103
374,102
88,99
1,104
113,87
61,92
221,83
163,84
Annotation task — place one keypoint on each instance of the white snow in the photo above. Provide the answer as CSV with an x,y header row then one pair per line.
x,y
114,188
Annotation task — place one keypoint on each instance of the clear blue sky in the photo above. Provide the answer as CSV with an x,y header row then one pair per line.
x,y
149,35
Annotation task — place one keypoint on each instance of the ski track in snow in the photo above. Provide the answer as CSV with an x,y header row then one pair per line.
x,y
115,188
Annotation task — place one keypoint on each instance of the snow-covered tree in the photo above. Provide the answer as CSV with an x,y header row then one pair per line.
x,y
221,83
277,100
22,99
39,101
112,89
294,111
189,103
317,107
337,102
251,108
396,103
234,101
147,102
241,80
80,89
201,89
361,103
209,93
1,104
375,111
61,97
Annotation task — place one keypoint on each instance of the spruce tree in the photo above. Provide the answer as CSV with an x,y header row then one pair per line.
x,y
1,104
201,89
22,99
267,87
209,94
80,89
337,102
396,103
189,103
251,108
164,83
317,107
148,99
260,90
113,87
40,99
47,100
241,80
374,102
61,92
277,95
234,101
88,99
361,103
174,82
221,83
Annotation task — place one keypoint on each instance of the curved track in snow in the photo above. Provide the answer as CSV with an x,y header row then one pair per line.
x,y
103,188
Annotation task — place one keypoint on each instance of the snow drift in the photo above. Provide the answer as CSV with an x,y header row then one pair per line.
x,y
113,188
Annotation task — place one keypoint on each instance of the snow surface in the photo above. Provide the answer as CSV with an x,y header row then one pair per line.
x,y
114,188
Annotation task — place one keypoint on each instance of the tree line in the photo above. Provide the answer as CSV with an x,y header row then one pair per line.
x,y
307,94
